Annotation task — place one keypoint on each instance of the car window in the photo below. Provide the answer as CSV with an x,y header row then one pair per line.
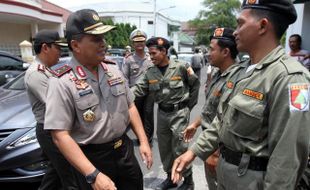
x,y
16,84
8,63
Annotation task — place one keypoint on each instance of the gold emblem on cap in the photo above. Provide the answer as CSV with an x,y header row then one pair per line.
x,y
95,17
139,33
160,41
218,32
89,116
252,2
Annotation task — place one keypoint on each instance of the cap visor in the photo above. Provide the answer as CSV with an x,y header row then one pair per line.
x,y
100,29
139,39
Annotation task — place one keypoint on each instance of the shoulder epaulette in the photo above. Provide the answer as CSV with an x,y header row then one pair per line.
x,y
108,61
290,67
62,70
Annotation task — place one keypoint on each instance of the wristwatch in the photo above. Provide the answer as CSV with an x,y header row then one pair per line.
x,y
91,178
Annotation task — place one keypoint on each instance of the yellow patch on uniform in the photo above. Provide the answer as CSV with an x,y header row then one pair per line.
x,y
216,93
218,32
252,2
190,71
153,81
253,94
176,78
230,84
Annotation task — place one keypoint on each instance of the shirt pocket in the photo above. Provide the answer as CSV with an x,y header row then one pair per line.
x,y
118,89
134,69
85,103
245,116
154,87
174,84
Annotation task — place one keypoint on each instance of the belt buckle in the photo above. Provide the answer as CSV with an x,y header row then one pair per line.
x,y
175,107
118,143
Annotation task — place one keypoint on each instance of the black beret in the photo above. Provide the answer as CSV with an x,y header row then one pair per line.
x,y
48,37
158,42
85,21
283,7
223,33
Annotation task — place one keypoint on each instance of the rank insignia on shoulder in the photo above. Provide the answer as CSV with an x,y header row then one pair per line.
x,y
299,96
253,94
115,81
230,85
62,70
41,68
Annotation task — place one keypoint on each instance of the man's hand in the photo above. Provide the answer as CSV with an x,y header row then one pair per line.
x,y
146,154
180,164
211,162
189,132
103,182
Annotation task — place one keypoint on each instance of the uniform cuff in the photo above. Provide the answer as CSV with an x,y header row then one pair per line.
x,y
198,151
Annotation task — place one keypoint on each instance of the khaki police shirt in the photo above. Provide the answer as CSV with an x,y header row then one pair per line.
x,y
213,94
267,115
178,84
36,82
108,99
134,67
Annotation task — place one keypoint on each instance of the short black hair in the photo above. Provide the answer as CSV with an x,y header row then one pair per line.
x,y
223,43
279,23
37,47
77,37
298,37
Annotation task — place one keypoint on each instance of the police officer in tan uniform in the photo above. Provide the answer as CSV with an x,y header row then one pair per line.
x,y
89,109
134,67
222,54
47,45
263,131
175,88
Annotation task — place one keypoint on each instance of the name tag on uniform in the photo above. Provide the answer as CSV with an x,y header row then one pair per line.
x,y
253,94
86,92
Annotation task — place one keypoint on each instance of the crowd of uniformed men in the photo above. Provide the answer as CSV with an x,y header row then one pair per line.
x,y
255,119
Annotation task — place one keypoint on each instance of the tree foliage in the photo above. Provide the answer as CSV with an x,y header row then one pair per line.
x,y
118,37
217,13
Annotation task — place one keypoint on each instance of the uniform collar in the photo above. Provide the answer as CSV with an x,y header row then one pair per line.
x,y
272,57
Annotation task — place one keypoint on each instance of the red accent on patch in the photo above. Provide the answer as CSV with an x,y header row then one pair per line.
x,y
294,94
80,71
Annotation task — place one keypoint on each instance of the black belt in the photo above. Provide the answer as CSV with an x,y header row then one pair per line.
x,y
173,107
112,145
232,157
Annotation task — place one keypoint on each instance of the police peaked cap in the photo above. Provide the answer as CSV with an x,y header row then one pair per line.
x,y
158,42
138,35
224,34
48,37
284,8
85,21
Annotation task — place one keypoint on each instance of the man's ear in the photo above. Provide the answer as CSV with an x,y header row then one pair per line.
x,y
44,47
226,52
75,46
263,25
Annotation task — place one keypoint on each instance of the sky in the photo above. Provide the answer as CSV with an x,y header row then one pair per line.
x,y
184,10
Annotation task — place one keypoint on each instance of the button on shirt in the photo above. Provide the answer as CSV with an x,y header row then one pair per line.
x,y
108,99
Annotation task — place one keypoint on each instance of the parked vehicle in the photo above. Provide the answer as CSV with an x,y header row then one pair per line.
x,y
116,52
10,67
185,57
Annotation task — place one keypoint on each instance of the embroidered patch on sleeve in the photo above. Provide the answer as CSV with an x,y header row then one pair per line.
x,y
299,97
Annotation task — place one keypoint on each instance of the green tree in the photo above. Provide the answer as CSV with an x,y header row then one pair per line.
x,y
118,37
217,13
